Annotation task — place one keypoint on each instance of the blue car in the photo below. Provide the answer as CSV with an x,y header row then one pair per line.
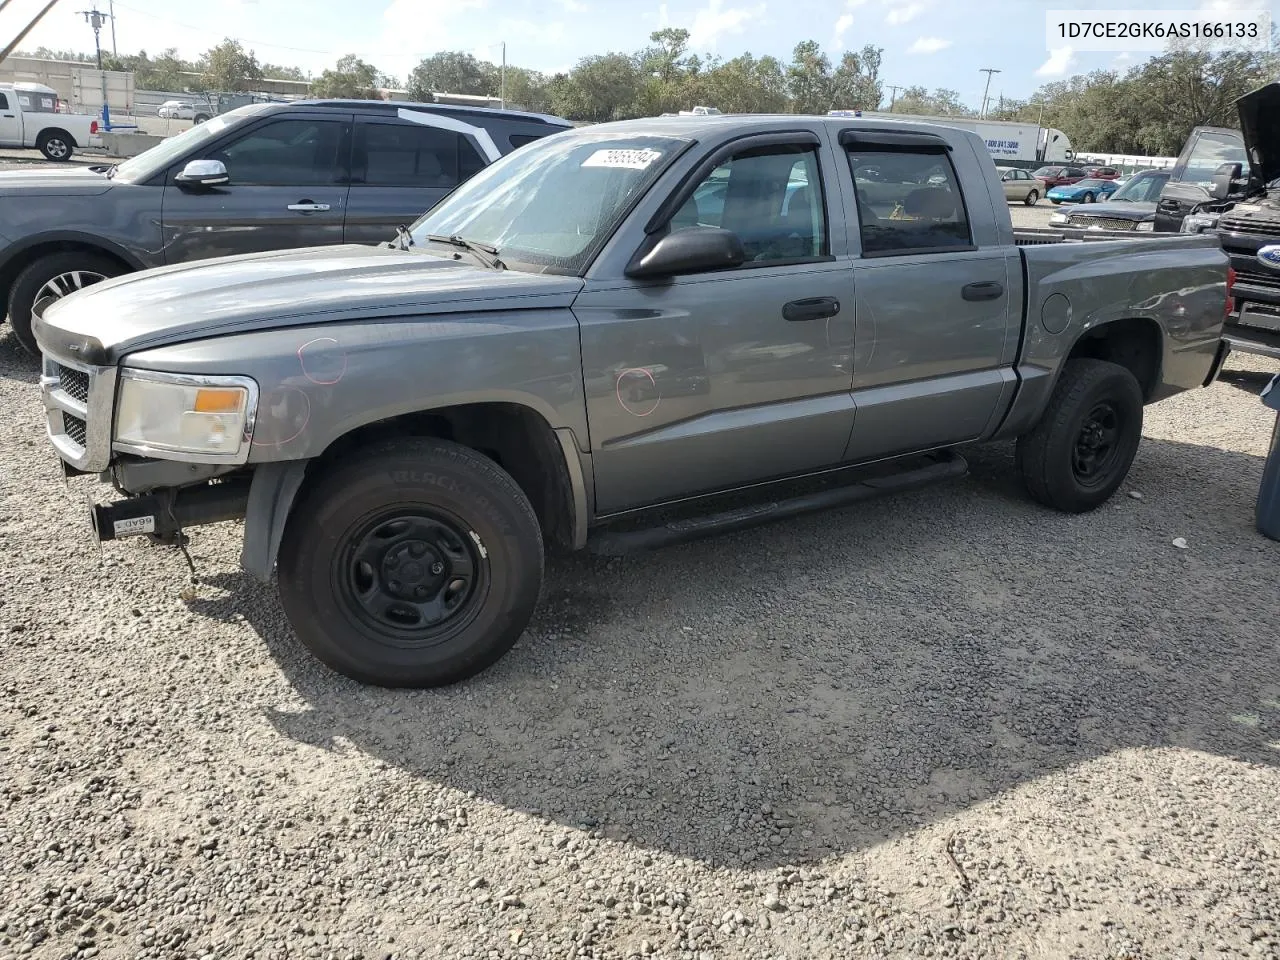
x,y
1083,191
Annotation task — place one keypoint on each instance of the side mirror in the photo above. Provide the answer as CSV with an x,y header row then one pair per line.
x,y
1223,179
689,251
204,173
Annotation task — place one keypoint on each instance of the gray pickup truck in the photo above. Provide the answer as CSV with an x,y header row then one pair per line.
x,y
616,337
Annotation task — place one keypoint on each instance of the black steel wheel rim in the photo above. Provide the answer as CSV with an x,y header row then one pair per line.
x,y
1098,443
412,576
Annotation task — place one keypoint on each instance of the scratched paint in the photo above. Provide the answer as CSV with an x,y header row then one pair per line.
x,y
638,392
283,414
323,360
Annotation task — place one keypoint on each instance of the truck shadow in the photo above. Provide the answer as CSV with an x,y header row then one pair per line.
x,y
821,685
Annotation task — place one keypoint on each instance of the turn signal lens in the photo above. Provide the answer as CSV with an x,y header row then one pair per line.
x,y
219,401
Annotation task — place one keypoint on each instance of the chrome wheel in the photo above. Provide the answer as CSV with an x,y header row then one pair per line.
x,y
67,283
56,148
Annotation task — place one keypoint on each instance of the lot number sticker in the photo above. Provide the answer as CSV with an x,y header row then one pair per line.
x,y
134,526
622,159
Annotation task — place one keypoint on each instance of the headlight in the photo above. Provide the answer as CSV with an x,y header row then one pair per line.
x,y
1058,218
209,419
1145,225
1199,222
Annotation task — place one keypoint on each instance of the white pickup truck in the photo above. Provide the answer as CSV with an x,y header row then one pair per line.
x,y
29,118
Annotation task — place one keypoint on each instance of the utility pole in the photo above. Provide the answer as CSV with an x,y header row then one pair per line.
x,y
502,81
893,96
987,89
111,8
96,19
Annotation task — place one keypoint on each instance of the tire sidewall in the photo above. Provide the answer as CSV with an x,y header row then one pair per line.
x,y
335,510
1032,198
49,155
1120,388
35,275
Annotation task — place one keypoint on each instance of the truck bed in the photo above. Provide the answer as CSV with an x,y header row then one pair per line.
x,y
1036,236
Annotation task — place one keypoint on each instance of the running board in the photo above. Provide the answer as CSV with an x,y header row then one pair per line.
x,y
946,465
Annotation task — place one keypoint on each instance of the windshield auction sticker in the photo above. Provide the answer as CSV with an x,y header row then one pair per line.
x,y
622,159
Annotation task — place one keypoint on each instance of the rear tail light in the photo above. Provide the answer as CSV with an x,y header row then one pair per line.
x,y
1231,282
93,126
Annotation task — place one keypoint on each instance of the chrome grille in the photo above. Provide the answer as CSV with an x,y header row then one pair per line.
x,y
76,429
1106,223
74,382
1263,228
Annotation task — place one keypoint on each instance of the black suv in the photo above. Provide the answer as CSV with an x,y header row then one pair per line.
x,y
267,176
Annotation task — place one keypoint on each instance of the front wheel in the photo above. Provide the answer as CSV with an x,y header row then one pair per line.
x,y
1088,198
1031,199
1057,203
415,564
52,278
1080,452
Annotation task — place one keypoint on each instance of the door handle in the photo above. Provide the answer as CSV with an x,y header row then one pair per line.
x,y
308,207
986,290
811,308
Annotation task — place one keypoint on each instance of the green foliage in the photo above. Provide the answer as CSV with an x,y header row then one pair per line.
x,y
452,71
940,103
229,67
350,79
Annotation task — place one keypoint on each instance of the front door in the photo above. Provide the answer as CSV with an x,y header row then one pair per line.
x,y
400,169
714,380
938,303
288,189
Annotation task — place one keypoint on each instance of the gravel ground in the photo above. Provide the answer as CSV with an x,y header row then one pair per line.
x,y
947,724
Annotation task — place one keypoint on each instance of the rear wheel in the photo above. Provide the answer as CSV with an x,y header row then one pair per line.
x,y
52,278
1081,450
1032,198
1088,198
416,564
56,145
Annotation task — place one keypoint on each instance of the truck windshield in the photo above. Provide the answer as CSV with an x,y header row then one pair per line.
x,y
552,204
1142,189
150,162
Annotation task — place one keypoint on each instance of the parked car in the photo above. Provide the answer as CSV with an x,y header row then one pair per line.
x,y
1102,173
29,117
1082,191
262,177
177,110
1057,176
1020,185
1131,207
404,427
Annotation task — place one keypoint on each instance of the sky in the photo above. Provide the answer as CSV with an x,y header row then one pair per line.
x,y
931,43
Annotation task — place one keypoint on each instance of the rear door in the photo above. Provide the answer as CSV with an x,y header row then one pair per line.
x,y
938,302
401,168
10,122
288,189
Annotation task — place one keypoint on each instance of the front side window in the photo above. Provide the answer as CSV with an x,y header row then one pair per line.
x,y
413,155
4,102
286,153
771,197
909,201
549,206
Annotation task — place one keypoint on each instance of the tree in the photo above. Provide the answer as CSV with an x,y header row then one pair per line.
x,y
856,82
229,67
746,85
274,71
350,79
528,90
941,103
809,79
451,71
601,88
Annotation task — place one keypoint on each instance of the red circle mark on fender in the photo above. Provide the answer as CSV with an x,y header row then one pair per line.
x,y
285,407
327,367
637,373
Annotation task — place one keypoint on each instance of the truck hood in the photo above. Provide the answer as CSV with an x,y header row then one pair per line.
x,y
1260,124
40,181
265,291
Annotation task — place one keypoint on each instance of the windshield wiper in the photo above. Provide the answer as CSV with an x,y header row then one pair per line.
x,y
483,252
403,240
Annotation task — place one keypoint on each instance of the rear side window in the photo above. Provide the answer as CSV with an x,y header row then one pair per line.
x,y
413,155
909,201
518,140
4,102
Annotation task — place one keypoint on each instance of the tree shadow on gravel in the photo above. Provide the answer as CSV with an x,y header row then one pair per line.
x,y
820,685
15,362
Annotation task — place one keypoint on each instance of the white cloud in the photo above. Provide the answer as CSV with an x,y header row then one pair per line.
x,y
1122,59
844,22
664,20
928,45
402,41
1060,60
574,6
904,14
716,20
